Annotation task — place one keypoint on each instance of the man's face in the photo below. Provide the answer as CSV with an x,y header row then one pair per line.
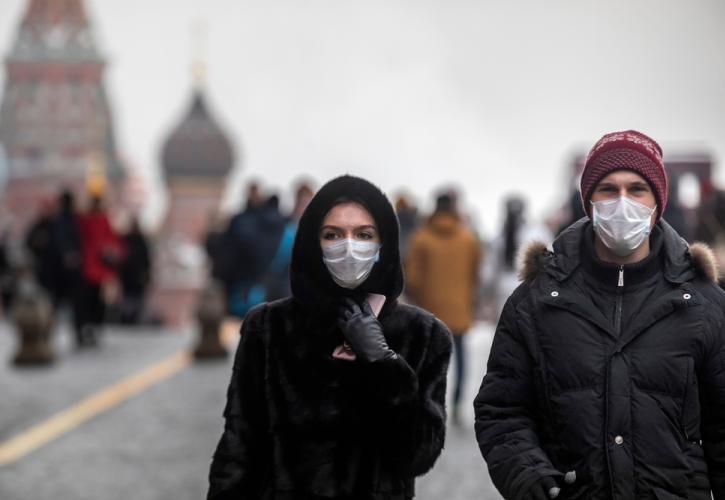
x,y
626,183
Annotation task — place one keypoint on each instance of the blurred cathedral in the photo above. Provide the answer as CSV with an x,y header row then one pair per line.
x,y
56,131
197,159
56,126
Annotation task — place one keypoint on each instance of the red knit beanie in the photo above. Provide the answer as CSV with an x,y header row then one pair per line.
x,y
628,150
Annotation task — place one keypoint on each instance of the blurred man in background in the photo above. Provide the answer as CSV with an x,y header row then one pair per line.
x,y
441,272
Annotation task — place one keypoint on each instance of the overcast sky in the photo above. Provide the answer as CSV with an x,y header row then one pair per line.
x,y
491,95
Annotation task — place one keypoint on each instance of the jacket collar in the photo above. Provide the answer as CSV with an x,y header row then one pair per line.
x,y
567,257
606,274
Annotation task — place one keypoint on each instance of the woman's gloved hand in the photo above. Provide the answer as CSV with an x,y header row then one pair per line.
x,y
363,332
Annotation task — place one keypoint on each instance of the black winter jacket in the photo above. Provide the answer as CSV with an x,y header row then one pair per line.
x,y
302,425
630,396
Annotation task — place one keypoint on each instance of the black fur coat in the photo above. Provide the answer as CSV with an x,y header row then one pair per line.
x,y
303,425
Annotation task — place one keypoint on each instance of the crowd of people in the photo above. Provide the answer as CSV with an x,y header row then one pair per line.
x,y
82,263
605,377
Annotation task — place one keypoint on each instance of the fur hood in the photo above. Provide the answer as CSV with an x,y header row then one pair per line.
x,y
312,285
682,261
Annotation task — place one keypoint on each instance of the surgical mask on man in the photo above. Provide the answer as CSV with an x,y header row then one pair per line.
x,y
350,261
622,224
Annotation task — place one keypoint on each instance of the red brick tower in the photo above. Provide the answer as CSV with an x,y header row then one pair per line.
x,y
55,121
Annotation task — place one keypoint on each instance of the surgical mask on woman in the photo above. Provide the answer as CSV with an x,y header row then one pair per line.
x,y
622,224
350,261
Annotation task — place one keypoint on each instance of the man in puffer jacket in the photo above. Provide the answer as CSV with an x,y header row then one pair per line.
x,y
606,378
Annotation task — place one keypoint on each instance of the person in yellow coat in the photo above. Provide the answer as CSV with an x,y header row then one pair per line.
x,y
441,268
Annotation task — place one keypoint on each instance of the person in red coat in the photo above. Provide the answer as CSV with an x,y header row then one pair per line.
x,y
102,251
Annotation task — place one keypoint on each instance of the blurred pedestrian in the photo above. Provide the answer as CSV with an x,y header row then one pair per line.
x,y
66,234
43,249
216,248
674,213
710,226
606,377
500,276
243,258
441,269
277,283
135,274
408,220
102,253
337,392
8,271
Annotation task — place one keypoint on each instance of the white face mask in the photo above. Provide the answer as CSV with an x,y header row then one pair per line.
x,y
622,224
350,261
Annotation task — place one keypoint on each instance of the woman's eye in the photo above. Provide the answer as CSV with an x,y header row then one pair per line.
x,y
329,235
365,235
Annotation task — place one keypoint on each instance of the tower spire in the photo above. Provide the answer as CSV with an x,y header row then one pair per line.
x,y
199,37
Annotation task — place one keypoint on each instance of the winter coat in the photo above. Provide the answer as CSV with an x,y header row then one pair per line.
x,y
301,424
135,271
441,270
624,385
41,243
101,248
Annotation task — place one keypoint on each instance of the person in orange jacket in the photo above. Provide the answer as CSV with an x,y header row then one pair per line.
x,y
442,277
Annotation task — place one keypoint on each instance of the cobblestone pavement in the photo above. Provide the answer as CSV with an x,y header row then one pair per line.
x,y
157,444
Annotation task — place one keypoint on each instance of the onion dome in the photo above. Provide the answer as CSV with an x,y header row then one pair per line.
x,y
197,147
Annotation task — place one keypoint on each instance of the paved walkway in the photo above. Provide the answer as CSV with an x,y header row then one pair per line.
x,y
157,443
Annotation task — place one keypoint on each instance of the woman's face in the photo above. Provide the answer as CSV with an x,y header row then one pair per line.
x,y
348,220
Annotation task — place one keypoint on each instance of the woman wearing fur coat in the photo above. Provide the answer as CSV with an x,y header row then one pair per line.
x,y
606,378
337,392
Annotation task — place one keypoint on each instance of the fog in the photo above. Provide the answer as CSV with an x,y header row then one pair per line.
x,y
491,96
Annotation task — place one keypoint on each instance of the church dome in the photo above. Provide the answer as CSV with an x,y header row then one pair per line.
x,y
197,147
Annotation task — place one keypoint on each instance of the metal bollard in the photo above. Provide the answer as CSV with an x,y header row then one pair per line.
x,y
210,314
32,314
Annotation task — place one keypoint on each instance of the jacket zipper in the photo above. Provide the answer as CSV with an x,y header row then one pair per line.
x,y
618,313
618,330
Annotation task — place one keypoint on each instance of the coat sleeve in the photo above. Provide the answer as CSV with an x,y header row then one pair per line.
x,y
712,397
238,465
506,425
409,404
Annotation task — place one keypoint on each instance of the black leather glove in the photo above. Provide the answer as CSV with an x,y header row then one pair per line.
x,y
363,332
546,489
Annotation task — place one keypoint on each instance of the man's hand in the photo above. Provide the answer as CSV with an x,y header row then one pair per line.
x,y
546,489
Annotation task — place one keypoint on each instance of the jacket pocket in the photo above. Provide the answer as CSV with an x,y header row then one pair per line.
x,y
690,415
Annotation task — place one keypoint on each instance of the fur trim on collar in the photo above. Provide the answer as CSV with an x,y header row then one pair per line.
x,y
703,259
534,257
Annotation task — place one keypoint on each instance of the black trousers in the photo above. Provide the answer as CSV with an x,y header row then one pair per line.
x,y
88,308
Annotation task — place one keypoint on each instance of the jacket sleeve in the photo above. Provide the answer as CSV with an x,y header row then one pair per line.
x,y
409,404
712,397
506,425
238,465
